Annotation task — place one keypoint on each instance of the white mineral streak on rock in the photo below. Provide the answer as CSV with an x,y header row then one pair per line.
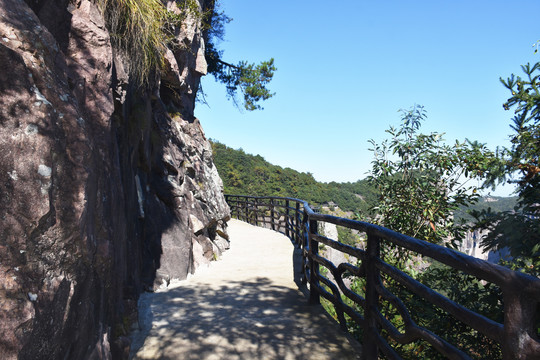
x,y
31,129
44,170
201,66
196,224
140,196
40,97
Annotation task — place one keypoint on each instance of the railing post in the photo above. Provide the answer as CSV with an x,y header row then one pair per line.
x,y
256,211
287,219
234,208
519,318
272,214
371,330
244,211
252,214
228,202
313,265
297,225
303,244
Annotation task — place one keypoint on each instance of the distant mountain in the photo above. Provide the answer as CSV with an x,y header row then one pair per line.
x,y
246,174
496,203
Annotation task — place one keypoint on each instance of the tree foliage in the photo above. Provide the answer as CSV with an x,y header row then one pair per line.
x,y
142,30
519,230
249,79
422,180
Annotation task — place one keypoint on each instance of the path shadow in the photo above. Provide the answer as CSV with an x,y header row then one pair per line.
x,y
253,319
297,260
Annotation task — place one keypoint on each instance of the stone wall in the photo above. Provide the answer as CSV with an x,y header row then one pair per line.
x,y
103,191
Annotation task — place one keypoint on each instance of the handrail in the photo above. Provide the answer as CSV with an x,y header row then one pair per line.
x,y
295,218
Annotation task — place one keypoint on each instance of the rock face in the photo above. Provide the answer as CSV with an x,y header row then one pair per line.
x,y
103,192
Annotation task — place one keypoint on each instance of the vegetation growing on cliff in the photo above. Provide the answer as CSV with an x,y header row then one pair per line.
x,y
496,204
138,30
519,229
248,78
142,30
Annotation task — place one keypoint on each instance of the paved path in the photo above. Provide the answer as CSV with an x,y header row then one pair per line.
x,y
244,306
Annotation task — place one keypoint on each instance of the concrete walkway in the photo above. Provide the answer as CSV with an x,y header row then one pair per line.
x,y
244,306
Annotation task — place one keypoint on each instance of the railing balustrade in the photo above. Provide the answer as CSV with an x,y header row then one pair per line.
x,y
517,335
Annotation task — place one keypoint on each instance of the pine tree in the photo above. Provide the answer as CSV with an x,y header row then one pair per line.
x,y
519,230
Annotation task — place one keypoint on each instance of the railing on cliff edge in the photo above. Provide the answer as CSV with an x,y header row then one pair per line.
x,y
294,218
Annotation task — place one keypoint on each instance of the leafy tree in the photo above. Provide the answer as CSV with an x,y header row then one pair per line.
x,y
422,181
519,230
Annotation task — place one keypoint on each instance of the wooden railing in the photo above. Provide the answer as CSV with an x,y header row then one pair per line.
x,y
517,335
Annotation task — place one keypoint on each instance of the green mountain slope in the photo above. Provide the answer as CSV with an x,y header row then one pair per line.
x,y
496,203
246,174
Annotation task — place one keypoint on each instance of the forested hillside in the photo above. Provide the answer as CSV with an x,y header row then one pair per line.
x,y
246,174
495,203
252,175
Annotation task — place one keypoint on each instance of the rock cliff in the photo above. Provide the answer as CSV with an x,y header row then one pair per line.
x,y
105,190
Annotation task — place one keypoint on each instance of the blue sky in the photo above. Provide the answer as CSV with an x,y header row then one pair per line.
x,y
345,68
